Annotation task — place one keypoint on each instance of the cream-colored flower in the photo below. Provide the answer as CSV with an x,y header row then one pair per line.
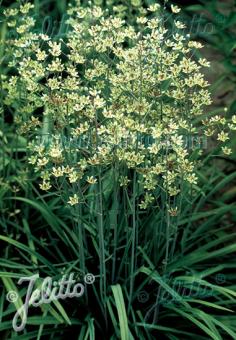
x,y
91,179
57,172
24,9
154,8
142,20
45,186
42,162
191,178
55,152
175,9
180,25
73,177
32,160
223,136
204,62
227,151
73,200
55,48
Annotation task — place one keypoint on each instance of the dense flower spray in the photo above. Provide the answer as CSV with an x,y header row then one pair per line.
x,y
110,95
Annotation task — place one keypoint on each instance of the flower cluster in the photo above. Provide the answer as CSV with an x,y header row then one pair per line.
x,y
120,96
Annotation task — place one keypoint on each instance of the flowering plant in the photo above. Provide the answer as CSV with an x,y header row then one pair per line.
x,y
107,94
109,111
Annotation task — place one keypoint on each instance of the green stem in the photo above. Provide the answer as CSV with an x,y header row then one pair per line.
x,y
114,222
103,288
133,238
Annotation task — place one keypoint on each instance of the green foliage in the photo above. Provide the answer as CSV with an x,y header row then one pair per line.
x,y
177,281
215,23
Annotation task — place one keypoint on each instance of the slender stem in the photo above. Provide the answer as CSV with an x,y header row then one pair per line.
x,y
114,222
99,213
133,238
101,244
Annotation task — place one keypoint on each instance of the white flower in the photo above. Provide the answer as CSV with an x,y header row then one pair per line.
x,y
73,199
204,62
180,25
175,9
153,8
91,180
45,185
227,151
55,49
223,136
